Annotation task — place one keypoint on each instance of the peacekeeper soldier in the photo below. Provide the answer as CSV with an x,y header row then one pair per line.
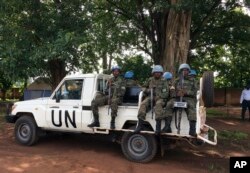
x,y
188,92
160,94
193,74
168,76
116,86
129,79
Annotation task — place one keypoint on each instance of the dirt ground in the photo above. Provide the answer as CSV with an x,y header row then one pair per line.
x,y
81,153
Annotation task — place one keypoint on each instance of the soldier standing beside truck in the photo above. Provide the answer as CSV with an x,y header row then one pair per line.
x,y
186,88
116,87
156,92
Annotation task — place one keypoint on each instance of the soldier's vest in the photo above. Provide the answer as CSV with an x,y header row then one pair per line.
x,y
117,87
189,85
160,87
130,82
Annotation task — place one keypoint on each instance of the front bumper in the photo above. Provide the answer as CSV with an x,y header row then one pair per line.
x,y
10,118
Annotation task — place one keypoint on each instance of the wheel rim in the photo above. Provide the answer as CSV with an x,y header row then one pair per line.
x,y
137,145
24,132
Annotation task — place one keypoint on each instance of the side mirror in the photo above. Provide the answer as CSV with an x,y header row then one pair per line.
x,y
58,95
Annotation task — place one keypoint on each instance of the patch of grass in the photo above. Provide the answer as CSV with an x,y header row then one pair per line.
x,y
232,135
214,113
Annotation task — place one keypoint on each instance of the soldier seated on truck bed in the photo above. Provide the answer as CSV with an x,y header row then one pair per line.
x,y
157,93
116,88
133,89
186,88
129,79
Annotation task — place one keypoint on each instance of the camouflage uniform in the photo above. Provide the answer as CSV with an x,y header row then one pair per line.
x,y
117,93
161,93
130,82
190,87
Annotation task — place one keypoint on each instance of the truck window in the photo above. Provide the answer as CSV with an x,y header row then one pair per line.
x,y
71,90
101,85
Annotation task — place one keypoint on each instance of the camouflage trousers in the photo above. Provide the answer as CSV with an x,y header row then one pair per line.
x,y
159,103
190,110
103,100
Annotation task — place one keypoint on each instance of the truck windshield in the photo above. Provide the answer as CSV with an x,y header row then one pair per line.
x,y
71,90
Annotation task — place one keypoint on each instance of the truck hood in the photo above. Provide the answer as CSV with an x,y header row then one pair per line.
x,y
39,101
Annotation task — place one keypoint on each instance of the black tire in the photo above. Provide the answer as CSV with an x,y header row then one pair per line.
x,y
208,88
26,131
140,147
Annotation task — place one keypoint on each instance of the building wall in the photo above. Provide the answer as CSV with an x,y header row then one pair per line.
x,y
227,96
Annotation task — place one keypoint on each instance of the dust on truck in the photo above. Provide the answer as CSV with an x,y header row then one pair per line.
x,y
68,109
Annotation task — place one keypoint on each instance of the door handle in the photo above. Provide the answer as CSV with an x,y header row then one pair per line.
x,y
76,107
54,107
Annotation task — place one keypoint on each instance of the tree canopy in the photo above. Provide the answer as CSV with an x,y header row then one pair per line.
x,y
54,37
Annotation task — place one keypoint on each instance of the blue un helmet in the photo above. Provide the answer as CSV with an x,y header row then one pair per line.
x,y
129,75
192,73
116,67
183,66
167,75
157,69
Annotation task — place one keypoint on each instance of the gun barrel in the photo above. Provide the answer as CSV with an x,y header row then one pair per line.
x,y
151,99
109,100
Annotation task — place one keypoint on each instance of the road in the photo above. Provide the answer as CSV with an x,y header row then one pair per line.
x,y
79,153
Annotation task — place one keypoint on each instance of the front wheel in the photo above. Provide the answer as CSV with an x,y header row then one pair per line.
x,y
139,147
26,131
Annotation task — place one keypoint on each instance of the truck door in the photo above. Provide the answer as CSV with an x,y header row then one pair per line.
x,y
65,107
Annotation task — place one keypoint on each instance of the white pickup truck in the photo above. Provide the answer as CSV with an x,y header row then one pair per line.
x,y
69,110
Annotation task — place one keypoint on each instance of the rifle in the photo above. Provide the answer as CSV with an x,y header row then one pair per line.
x,y
109,99
180,105
181,85
151,101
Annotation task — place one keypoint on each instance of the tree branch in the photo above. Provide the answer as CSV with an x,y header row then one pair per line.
x,y
197,32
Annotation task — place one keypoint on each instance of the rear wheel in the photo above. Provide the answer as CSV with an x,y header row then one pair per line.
x,y
208,88
139,147
26,131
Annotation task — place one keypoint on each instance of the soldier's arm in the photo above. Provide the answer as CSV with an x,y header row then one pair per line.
x,y
165,90
122,88
146,89
193,91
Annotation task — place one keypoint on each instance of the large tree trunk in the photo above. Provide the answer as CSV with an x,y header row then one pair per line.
x,y
104,61
177,38
57,70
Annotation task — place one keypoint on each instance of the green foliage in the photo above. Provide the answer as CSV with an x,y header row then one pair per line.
x,y
5,84
141,67
220,39
213,113
35,33
232,135
78,34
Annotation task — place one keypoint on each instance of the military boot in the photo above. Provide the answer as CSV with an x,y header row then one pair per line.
x,y
139,126
112,123
96,121
192,130
158,127
167,127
